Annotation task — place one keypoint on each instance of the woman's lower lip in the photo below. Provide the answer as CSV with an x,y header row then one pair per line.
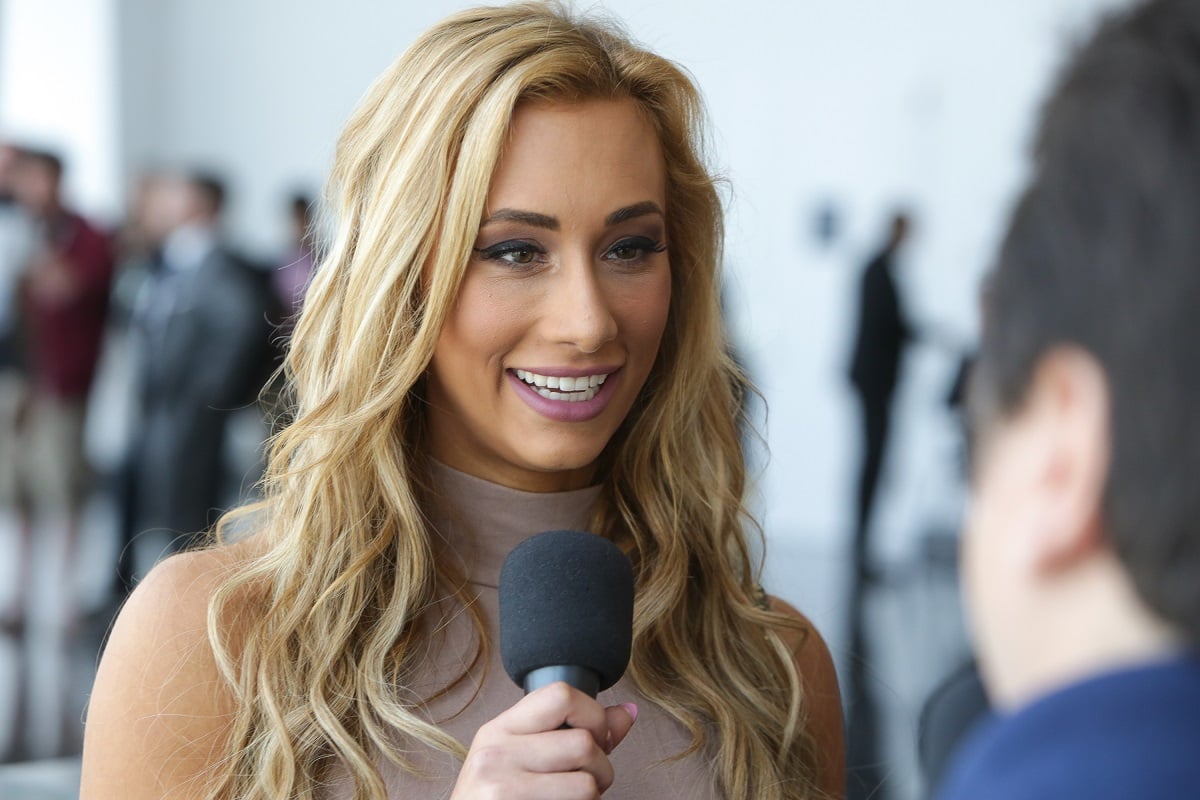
x,y
565,410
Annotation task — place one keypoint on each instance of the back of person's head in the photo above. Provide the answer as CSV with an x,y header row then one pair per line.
x,y
37,180
1103,254
300,205
46,160
900,226
169,199
302,216
10,155
209,190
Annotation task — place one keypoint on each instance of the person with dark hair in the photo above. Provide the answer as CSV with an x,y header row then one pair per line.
x,y
202,329
1082,558
882,334
290,279
208,191
17,244
63,300
289,284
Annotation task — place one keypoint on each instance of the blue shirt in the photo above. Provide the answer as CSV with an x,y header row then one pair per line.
x,y
1128,735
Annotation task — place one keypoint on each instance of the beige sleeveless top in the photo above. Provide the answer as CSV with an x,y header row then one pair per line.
x,y
482,522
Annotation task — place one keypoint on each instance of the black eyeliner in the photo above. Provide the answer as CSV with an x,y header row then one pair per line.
x,y
509,246
645,244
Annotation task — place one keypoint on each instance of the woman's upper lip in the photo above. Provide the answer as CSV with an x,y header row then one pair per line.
x,y
570,372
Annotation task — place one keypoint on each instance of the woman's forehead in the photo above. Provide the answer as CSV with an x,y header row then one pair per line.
x,y
594,154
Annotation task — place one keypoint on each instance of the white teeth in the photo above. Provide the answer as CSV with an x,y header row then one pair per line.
x,y
568,397
570,390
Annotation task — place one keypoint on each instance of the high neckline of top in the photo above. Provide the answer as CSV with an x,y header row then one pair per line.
x,y
483,521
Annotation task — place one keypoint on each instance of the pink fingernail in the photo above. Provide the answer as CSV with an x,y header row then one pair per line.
x,y
632,709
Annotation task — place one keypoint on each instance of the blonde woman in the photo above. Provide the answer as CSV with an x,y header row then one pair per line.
x,y
516,329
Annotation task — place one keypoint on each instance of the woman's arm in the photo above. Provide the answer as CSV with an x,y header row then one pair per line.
x,y
158,712
822,700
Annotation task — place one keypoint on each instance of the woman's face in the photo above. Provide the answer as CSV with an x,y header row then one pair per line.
x,y
563,303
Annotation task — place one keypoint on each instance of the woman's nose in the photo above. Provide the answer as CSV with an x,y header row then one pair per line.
x,y
579,311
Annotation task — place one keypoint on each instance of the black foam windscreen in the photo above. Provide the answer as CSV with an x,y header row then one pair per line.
x,y
566,599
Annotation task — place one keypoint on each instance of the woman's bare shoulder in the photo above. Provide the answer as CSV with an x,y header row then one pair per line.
x,y
822,698
159,710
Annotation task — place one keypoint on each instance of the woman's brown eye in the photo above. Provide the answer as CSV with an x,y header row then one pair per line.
x,y
633,249
516,253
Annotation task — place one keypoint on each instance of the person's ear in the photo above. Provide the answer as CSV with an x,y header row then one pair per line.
x,y
1068,407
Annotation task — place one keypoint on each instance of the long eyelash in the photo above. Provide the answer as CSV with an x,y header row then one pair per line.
x,y
643,243
504,248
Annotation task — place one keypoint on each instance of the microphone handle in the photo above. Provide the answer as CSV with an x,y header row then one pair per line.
x,y
582,678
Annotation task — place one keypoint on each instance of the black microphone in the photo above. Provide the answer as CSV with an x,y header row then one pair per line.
x,y
566,611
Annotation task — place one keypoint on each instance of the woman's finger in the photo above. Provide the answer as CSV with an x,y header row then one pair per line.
x,y
561,786
620,720
515,761
553,706
565,751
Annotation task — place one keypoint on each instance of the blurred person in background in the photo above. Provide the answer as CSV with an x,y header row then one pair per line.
x,y
137,247
290,279
64,301
57,268
1082,555
883,332
17,241
202,333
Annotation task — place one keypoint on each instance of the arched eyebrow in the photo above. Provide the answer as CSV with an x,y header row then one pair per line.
x,y
548,222
632,212
526,217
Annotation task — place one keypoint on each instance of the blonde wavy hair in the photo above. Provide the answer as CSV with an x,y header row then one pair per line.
x,y
349,567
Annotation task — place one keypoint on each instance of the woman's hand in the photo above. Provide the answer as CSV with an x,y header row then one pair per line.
x,y
526,753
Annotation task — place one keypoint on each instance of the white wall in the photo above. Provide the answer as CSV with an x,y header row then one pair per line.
x,y
58,85
861,102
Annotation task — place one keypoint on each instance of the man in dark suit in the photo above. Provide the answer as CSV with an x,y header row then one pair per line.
x,y
201,322
883,332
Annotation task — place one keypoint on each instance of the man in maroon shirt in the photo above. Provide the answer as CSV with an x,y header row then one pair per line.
x,y
64,302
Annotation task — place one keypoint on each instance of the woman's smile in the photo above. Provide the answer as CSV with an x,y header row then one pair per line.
x,y
565,397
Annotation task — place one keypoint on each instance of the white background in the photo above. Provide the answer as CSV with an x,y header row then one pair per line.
x,y
862,104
